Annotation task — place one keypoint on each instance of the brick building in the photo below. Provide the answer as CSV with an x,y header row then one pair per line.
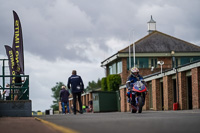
x,y
164,90
179,81
180,85
154,47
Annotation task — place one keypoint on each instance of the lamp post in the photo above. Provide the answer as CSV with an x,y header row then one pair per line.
x,y
160,63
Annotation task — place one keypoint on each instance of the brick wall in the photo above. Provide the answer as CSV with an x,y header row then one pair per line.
x,y
144,71
156,94
168,92
84,100
128,109
147,98
87,99
124,75
196,88
123,101
182,90
167,62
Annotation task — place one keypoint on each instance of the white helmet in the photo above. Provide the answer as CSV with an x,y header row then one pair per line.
x,y
134,70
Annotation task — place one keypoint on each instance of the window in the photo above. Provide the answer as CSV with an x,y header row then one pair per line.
x,y
196,58
142,62
139,62
179,61
113,68
119,67
110,69
184,60
153,62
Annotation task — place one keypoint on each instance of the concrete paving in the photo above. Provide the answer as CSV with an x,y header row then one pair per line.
x,y
24,125
117,122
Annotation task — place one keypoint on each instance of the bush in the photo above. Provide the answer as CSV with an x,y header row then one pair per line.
x,y
104,84
113,82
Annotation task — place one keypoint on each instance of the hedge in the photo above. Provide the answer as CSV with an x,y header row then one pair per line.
x,y
113,82
104,84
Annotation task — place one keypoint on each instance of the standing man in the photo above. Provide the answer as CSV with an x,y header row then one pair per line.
x,y
64,96
76,85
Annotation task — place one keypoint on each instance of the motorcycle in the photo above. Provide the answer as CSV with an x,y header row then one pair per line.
x,y
137,96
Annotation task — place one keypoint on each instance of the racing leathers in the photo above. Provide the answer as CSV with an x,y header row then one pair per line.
x,y
129,84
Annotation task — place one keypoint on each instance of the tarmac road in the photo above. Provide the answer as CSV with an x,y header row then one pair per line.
x,y
187,121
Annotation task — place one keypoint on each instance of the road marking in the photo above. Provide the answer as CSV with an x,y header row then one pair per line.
x,y
57,127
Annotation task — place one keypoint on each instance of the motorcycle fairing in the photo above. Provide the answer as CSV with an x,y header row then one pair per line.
x,y
139,87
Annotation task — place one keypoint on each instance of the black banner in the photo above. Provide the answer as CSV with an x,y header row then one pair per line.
x,y
18,44
12,63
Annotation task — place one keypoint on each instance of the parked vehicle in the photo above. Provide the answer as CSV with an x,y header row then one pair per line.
x,y
139,90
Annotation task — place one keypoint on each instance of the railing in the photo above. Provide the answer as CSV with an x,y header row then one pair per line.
x,y
18,91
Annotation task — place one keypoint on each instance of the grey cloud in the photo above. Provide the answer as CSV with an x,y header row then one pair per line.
x,y
63,32
52,25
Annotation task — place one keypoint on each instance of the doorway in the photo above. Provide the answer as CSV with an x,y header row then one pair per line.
x,y
162,97
174,91
189,88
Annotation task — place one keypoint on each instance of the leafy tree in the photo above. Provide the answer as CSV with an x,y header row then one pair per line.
x,y
113,82
104,84
56,91
93,85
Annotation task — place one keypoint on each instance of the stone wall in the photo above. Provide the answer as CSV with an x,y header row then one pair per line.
x,y
21,108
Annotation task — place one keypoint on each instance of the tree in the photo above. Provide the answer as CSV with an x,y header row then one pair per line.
x,y
93,85
56,92
113,82
104,84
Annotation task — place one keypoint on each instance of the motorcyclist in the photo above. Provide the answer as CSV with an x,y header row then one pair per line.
x,y
134,77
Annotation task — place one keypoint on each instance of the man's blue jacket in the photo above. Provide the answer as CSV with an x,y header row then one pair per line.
x,y
75,83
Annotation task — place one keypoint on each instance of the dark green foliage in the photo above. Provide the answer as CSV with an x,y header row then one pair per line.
x,y
113,82
104,84
93,85
56,92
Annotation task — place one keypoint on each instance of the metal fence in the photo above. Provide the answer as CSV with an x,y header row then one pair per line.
x,y
17,91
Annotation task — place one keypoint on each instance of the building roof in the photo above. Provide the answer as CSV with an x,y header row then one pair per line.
x,y
158,42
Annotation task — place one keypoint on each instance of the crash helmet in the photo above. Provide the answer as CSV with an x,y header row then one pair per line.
x,y
134,70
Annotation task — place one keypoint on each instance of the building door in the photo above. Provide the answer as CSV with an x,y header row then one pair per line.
x,y
174,91
162,97
189,87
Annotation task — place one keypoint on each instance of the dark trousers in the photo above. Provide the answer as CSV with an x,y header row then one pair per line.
x,y
75,95
8,98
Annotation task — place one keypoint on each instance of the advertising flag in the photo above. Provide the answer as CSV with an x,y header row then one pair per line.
x,y
18,44
12,64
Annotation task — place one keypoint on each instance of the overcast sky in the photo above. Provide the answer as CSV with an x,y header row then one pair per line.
x,y
62,35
